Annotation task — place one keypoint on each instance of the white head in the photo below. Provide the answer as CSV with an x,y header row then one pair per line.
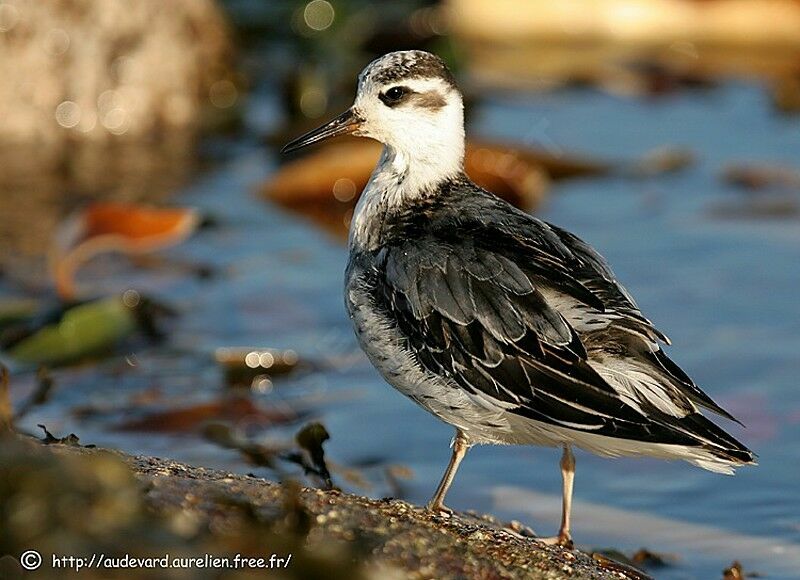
x,y
408,101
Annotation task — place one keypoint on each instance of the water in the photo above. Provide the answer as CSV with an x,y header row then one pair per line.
x,y
725,291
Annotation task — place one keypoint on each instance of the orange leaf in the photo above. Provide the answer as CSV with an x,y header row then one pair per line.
x,y
114,227
325,184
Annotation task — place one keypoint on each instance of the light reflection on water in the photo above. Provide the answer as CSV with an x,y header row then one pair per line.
x,y
725,291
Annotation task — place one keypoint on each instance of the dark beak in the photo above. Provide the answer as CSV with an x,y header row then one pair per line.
x,y
346,123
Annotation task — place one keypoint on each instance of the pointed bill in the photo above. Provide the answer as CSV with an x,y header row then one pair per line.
x,y
345,124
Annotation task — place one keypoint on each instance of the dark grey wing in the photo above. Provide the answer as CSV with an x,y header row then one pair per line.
x,y
569,269
476,317
589,267
592,270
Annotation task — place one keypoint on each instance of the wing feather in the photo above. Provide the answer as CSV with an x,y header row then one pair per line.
x,y
497,336
521,312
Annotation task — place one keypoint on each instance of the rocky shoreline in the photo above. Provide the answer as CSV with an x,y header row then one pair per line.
x,y
198,510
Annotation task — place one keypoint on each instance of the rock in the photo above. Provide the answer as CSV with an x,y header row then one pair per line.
x,y
357,537
92,70
681,43
102,98
728,22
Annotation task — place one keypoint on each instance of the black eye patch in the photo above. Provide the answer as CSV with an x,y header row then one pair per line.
x,y
395,95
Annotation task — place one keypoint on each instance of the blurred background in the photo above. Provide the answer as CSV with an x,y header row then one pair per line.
x,y
170,285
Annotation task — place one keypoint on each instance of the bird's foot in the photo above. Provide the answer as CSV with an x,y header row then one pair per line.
x,y
563,539
439,508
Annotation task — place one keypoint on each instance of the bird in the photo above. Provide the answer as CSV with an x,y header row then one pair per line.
x,y
510,329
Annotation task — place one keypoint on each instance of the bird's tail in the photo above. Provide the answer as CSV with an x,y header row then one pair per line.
x,y
716,449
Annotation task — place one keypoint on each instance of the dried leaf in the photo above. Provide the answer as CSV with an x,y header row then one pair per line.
x,y
191,418
114,227
310,438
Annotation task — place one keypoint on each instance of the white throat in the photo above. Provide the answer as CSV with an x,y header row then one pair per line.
x,y
399,180
422,149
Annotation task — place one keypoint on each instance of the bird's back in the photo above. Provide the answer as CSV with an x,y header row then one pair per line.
x,y
527,319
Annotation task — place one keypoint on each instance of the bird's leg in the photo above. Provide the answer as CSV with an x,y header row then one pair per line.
x,y
568,476
460,447
564,537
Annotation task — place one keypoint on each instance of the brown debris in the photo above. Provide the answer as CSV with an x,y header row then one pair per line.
x,y
737,572
188,419
70,440
6,410
756,177
326,183
649,559
786,93
310,439
246,366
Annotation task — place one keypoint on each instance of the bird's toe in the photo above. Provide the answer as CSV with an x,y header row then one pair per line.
x,y
563,539
439,508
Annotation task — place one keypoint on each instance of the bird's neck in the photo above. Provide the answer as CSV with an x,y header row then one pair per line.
x,y
402,178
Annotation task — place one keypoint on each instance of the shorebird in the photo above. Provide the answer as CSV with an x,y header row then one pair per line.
x,y
508,328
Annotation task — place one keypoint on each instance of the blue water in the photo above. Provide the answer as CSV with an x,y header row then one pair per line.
x,y
725,291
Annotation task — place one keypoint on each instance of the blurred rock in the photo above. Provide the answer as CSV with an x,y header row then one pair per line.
x,y
101,98
768,22
63,501
674,44
95,69
191,510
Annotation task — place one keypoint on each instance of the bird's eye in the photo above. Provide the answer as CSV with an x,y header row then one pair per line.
x,y
393,95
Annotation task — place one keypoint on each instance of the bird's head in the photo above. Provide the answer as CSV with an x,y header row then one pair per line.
x,y
408,101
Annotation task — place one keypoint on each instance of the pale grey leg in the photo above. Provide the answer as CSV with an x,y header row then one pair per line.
x,y
564,537
460,447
